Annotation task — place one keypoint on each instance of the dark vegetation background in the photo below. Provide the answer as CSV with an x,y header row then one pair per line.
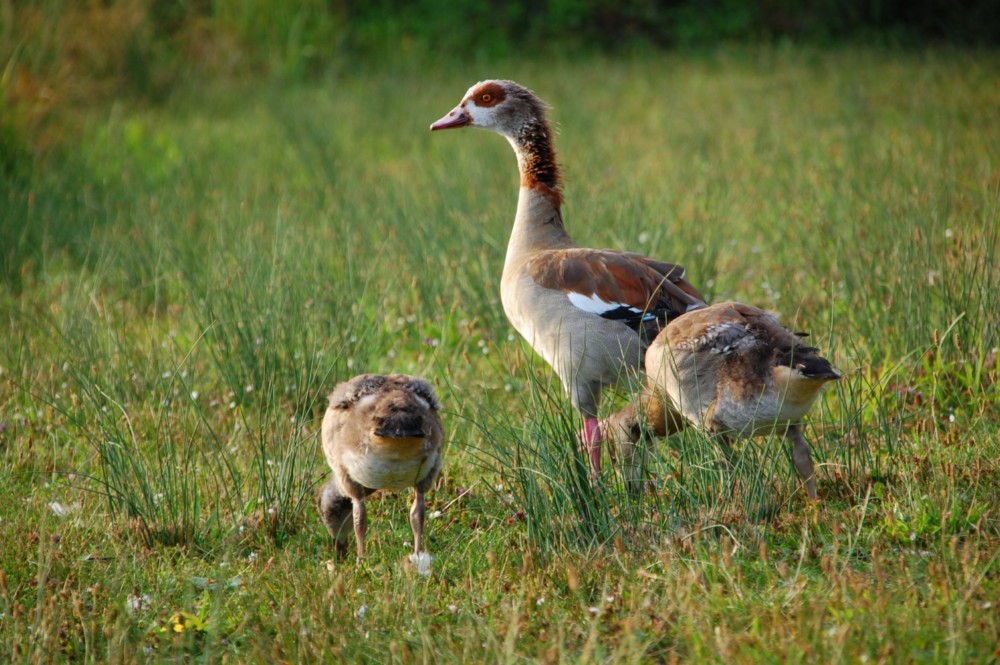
x,y
58,57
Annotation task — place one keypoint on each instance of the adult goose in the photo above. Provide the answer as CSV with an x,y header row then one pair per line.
x,y
588,312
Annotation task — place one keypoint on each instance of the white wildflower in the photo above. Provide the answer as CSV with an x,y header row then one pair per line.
x,y
422,562
134,603
59,510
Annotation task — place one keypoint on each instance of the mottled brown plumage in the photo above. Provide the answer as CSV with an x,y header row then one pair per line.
x,y
732,370
379,432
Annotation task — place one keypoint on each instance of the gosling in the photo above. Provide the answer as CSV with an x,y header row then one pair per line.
x,y
728,369
379,432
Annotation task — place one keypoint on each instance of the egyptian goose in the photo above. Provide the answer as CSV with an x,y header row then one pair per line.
x,y
588,312
730,369
379,432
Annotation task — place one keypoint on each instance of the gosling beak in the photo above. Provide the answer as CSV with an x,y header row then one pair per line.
x,y
400,433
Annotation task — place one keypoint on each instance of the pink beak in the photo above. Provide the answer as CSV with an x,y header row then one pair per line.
x,y
457,117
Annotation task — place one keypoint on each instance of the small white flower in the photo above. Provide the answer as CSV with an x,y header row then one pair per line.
x,y
248,389
948,233
252,557
165,375
194,394
594,610
435,514
362,611
452,607
422,562
60,510
540,601
644,237
135,603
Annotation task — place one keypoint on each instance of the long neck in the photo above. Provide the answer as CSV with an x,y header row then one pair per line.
x,y
536,158
538,224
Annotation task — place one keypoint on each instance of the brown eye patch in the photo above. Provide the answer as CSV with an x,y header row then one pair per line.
x,y
489,95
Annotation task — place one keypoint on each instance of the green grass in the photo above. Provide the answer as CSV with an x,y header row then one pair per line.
x,y
185,286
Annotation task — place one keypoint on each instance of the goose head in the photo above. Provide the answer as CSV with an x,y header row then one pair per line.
x,y
502,106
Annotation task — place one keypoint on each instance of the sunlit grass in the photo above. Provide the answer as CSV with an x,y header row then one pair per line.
x,y
192,280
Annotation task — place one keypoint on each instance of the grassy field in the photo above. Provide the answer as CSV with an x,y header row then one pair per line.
x,y
184,287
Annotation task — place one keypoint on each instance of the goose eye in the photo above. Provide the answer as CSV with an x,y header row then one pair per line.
x,y
486,98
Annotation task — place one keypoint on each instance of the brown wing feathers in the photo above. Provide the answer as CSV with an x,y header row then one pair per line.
x,y
645,288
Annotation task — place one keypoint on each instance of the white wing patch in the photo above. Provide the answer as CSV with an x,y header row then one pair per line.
x,y
595,305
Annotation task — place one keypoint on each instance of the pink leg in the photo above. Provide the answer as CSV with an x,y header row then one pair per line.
x,y
592,440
